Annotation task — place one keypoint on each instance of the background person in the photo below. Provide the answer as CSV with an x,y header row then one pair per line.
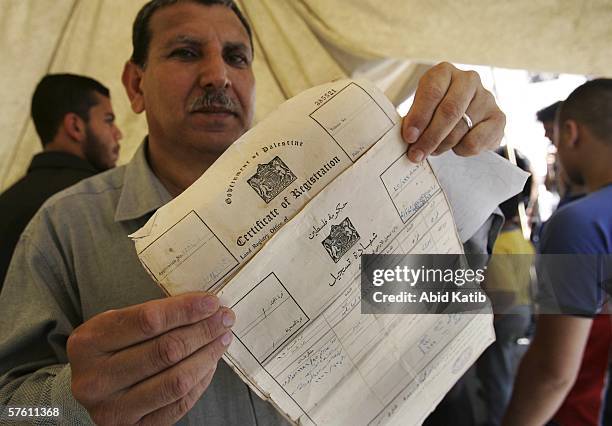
x,y
562,375
547,116
556,179
75,122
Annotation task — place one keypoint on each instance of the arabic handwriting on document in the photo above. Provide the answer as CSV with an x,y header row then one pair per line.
x,y
315,366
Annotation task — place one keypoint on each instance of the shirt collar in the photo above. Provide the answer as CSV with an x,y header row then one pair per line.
x,y
59,160
142,192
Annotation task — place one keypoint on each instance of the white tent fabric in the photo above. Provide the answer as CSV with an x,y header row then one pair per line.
x,y
298,43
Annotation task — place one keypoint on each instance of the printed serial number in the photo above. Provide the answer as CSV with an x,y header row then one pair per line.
x,y
33,411
325,97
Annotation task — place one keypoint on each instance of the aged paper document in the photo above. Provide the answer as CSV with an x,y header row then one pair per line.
x,y
200,239
277,227
300,336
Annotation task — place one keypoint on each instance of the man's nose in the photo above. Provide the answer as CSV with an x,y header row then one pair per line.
x,y
117,133
214,71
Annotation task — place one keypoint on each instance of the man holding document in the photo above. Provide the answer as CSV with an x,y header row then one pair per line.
x,y
85,328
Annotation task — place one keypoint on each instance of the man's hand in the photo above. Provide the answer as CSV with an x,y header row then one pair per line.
x,y
434,123
149,363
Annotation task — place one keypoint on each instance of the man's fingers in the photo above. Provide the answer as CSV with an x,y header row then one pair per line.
x,y
454,137
482,101
430,91
487,134
170,414
447,115
176,382
139,362
118,329
434,123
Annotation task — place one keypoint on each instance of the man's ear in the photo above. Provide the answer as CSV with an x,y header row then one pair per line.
x,y
132,79
75,127
571,133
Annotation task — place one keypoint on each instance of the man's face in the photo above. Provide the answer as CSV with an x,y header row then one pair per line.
x,y
101,147
549,127
197,85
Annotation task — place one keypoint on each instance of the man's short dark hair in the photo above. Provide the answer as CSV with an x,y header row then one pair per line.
x,y
549,113
591,106
141,31
59,94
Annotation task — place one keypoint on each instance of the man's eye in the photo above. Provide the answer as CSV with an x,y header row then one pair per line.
x,y
237,59
184,53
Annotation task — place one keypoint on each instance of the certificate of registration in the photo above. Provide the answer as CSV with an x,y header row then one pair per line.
x,y
277,227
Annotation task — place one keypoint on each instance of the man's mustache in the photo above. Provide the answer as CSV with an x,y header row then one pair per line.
x,y
214,100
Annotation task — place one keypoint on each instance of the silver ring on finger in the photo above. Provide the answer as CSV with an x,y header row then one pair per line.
x,y
467,120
